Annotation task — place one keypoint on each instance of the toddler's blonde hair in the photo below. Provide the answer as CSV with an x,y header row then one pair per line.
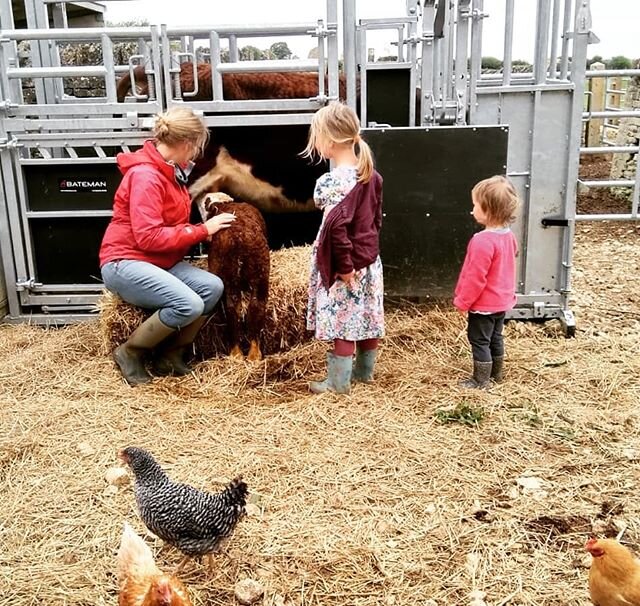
x,y
180,124
338,123
498,198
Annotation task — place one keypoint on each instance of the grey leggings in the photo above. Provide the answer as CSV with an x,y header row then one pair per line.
x,y
181,293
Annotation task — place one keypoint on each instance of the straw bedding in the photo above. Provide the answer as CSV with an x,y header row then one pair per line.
x,y
285,324
409,491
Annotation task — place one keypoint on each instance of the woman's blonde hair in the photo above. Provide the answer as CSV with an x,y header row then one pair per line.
x,y
338,123
180,124
498,198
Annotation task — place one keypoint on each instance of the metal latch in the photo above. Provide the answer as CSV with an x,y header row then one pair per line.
x,y
554,222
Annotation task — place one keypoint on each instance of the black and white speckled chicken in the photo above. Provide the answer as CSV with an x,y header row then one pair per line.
x,y
194,521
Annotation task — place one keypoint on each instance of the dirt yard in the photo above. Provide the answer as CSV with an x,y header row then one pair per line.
x,y
409,492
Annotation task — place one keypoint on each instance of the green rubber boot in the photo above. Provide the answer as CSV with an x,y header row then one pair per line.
x,y
338,375
169,359
364,365
130,356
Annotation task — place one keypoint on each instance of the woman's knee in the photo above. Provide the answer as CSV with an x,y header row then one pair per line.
x,y
211,293
183,311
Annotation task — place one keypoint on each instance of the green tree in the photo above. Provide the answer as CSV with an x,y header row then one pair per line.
x,y
491,63
280,50
595,59
251,53
618,62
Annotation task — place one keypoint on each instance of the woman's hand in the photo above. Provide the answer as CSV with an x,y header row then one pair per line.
x,y
347,277
221,221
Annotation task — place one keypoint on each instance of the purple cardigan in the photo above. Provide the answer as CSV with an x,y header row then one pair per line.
x,y
349,239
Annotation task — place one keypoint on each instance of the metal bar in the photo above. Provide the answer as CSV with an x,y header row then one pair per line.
x,y
610,150
322,67
388,23
566,24
63,300
612,114
507,67
427,102
607,183
606,73
349,49
332,50
66,288
581,32
216,62
82,34
63,214
555,26
52,72
86,108
525,89
36,50
361,46
233,49
244,31
412,58
276,65
476,56
625,217
542,40
110,76
635,197
259,120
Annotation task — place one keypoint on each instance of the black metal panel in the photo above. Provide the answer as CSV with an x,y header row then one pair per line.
x,y
66,249
428,176
71,186
388,96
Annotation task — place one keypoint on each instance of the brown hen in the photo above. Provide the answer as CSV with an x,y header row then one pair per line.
x,y
140,582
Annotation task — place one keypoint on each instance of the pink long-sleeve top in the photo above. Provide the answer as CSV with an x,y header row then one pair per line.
x,y
487,280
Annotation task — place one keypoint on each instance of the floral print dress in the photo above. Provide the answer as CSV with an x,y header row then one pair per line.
x,y
351,311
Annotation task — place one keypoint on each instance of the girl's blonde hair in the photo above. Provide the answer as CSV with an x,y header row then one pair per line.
x,y
498,198
338,123
180,124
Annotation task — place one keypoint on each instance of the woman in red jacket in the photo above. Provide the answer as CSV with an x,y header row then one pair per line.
x,y
141,256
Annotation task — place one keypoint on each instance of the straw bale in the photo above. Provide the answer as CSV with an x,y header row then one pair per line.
x,y
285,324
372,499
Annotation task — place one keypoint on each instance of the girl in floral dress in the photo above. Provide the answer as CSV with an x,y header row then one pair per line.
x,y
345,287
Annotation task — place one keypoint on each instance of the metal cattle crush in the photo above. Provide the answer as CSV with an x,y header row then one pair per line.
x,y
436,122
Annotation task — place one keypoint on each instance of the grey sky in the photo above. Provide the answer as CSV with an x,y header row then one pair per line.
x,y
616,22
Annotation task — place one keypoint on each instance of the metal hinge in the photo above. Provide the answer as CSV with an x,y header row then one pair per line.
x,y
27,284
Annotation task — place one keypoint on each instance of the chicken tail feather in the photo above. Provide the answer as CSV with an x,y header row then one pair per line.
x,y
237,491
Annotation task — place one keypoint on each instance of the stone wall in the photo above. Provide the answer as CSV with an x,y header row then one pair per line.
x,y
88,53
623,166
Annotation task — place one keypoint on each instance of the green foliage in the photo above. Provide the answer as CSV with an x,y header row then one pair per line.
x,y
618,62
280,50
463,413
252,53
491,63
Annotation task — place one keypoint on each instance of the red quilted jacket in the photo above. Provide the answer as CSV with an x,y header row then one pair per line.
x,y
150,213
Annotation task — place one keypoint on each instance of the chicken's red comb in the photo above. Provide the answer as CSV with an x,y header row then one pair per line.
x,y
590,543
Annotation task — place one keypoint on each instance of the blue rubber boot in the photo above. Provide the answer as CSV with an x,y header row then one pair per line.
x,y
338,375
365,363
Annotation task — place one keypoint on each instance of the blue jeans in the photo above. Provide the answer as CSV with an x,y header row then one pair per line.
x,y
181,293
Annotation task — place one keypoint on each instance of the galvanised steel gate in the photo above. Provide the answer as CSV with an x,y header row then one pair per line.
x,y
57,154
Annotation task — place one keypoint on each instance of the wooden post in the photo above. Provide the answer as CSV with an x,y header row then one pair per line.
x,y
598,87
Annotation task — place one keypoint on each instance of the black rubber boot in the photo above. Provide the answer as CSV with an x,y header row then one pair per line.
x,y
169,359
130,356
497,370
481,376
